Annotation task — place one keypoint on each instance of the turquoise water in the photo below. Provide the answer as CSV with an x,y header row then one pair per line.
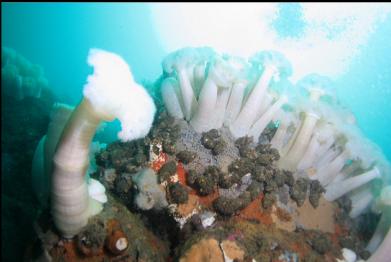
x,y
366,88
58,37
289,22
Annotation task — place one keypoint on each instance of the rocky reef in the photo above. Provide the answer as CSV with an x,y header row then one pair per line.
x,y
231,168
233,206
25,111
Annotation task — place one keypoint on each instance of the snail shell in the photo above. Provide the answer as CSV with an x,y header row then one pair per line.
x,y
117,242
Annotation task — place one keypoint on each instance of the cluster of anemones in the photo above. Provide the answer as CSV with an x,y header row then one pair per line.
x,y
316,136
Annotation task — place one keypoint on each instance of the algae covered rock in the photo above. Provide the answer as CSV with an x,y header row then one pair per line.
x,y
115,234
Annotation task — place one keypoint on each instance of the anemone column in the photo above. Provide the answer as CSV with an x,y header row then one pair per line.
x,y
219,75
109,93
316,86
273,65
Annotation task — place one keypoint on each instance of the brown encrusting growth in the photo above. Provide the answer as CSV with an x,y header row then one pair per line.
x,y
232,204
261,242
254,212
266,202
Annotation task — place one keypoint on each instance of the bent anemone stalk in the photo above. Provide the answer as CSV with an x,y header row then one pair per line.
x,y
109,93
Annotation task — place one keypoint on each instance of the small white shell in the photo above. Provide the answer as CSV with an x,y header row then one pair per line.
x,y
121,244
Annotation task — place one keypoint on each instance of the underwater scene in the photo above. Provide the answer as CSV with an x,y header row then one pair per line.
x,y
212,132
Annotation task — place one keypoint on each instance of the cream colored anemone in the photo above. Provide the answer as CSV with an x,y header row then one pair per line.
x,y
110,93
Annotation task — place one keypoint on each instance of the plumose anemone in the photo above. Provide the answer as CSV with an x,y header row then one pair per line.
x,y
316,136
110,93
